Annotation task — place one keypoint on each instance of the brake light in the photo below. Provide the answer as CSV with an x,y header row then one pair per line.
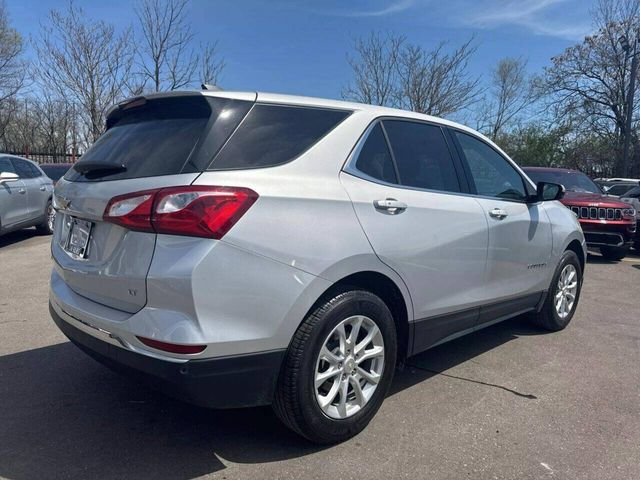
x,y
172,347
200,211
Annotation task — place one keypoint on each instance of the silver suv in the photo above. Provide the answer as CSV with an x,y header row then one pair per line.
x,y
25,196
242,249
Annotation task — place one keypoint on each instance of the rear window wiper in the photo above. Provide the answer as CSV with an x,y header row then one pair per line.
x,y
105,168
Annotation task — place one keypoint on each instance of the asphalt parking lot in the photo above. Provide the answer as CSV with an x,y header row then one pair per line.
x,y
509,402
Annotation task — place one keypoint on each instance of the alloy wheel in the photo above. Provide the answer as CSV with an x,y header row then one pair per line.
x,y
51,217
566,291
349,367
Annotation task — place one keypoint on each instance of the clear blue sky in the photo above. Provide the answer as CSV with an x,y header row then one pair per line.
x,y
301,46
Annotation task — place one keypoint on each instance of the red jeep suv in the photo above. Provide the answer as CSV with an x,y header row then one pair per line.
x,y
607,223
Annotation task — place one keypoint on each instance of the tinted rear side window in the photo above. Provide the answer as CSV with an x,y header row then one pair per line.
x,y
422,156
271,135
160,137
6,165
375,159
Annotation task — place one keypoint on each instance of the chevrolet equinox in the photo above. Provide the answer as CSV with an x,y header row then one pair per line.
x,y
243,249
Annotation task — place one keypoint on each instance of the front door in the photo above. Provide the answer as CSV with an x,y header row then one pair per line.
x,y
13,198
520,240
407,199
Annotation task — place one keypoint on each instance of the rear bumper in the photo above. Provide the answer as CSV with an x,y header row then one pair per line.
x,y
227,382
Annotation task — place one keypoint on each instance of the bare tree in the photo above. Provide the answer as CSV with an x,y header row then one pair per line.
x,y
589,82
54,125
211,65
375,69
389,71
12,67
511,92
166,56
86,62
435,82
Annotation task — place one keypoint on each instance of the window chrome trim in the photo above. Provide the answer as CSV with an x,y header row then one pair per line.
x,y
350,163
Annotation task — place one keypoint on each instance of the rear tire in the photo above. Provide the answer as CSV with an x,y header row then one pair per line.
x,y
46,227
615,254
562,297
325,345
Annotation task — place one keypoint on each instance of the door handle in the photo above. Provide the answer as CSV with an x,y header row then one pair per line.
x,y
390,206
498,213
22,190
42,188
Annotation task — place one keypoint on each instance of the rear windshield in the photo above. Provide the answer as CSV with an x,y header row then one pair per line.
x,y
162,136
275,134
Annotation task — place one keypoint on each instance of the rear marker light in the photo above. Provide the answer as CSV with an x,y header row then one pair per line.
x,y
193,210
172,347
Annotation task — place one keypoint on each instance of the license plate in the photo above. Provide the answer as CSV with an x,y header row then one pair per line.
x,y
78,239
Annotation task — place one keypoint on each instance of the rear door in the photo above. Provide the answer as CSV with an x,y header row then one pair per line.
x,y
149,144
408,197
13,197
520,240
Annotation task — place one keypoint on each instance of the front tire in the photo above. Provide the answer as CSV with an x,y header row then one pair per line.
x,y
615,254
563,295
338,368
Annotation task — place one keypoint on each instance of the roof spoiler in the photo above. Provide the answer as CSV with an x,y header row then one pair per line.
x,y
211,88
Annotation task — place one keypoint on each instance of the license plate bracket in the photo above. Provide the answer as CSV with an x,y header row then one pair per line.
x,y
77,243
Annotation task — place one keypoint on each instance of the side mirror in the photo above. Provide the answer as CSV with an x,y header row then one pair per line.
x,y
549,191
8,177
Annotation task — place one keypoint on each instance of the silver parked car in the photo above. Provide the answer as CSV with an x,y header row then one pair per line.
x,y
25,196
241,249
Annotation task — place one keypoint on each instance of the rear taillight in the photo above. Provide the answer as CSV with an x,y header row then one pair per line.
x,y
193,210
132,211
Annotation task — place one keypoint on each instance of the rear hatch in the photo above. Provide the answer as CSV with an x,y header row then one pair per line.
x,y
150,143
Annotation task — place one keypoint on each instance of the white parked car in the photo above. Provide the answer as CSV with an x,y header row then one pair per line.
x,y
25,196
241,249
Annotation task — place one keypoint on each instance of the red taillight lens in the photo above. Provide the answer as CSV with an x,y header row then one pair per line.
x,y
172,347
132,210
200,211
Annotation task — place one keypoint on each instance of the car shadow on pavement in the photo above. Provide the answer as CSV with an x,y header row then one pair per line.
x,y
18,236
64,415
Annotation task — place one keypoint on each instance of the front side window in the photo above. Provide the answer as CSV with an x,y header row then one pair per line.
x,y
23,169
272,135
422,156
491,173
374,158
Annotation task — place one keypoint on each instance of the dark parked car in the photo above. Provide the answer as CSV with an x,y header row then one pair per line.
x,y
55,171
632,197
607,223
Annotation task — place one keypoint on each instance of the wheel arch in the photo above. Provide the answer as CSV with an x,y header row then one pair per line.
x,y
389,292
576,247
